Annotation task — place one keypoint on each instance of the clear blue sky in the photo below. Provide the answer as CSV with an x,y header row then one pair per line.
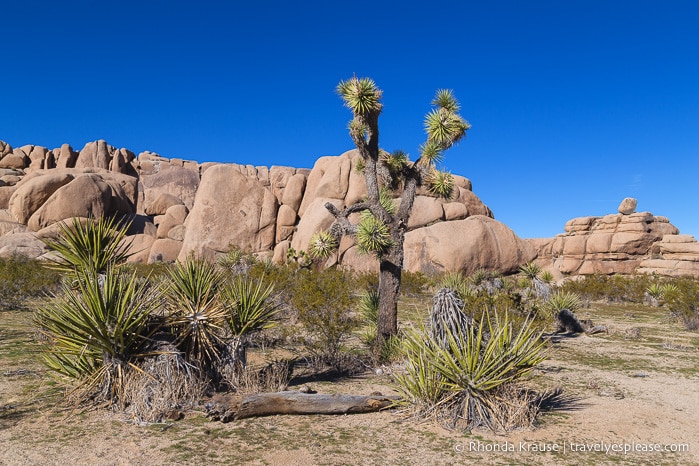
x,y
574,104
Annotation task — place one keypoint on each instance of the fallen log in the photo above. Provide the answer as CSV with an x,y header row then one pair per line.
x,y
227,408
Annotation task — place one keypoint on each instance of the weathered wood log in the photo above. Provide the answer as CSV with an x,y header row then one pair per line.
x,y
292,402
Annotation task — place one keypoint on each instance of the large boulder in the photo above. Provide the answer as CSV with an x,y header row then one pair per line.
x,y
230,210
97,154
478,242
87,195
34,192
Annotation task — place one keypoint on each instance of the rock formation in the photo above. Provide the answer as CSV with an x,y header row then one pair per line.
x,y
626,243
179,208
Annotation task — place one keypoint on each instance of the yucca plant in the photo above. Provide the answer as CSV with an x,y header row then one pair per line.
x,y
456,282
560,300
196,315
250,308
97,328
322,244
463,383
546,277
530,270
90,245
440,184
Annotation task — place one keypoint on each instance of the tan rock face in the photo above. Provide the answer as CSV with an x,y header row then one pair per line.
x,y
466,245
257,209
627,242
164,250
230,210
160,177
316,218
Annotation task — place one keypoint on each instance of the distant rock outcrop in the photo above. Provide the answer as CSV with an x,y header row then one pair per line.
x,y
624,243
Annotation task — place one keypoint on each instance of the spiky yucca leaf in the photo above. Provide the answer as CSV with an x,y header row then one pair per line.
x,y
560,300
369,307
530,270
395,161
431,153
445,128
444,98
249,306
96,325
373,236
441,183
464,378
386,200
456,282
361,95
546,277
322,244
420,385
196,313
93,245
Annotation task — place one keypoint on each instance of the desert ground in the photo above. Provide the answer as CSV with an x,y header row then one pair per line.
x,y
633,388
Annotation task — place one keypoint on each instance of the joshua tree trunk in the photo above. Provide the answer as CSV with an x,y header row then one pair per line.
x,y
389,289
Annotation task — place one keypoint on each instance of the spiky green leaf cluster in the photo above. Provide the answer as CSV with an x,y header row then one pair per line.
x,y
530,270
444,98
441,184
431,153
386,200
361,95
373,236
560,300
196,315
396,161
322,244
445,128
89,245
96,326
443,124
465,376
249,306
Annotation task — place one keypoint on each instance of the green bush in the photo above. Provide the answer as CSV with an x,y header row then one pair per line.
x,y
324,301
611,288
22,279
682,298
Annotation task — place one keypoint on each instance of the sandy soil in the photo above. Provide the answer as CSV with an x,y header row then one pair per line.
x,y
635,387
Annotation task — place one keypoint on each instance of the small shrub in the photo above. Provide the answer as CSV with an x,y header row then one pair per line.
x,y
22,279
614,288
683,301
324,302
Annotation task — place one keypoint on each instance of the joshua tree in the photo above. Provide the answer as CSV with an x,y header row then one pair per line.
x,y
383,224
